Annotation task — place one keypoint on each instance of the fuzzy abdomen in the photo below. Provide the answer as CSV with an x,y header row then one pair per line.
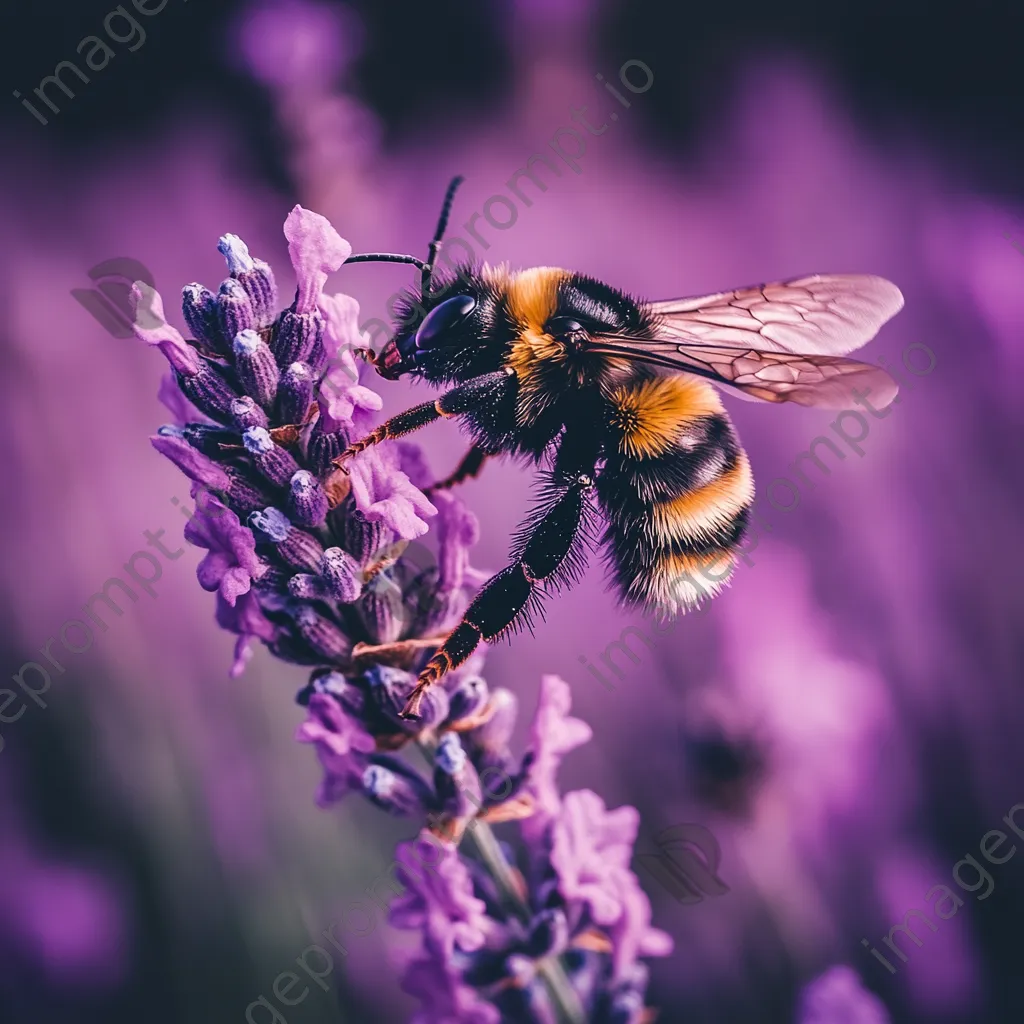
x,y
676,489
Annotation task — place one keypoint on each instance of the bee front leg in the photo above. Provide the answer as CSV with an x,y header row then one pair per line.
x,y
464,398
547,553
404,423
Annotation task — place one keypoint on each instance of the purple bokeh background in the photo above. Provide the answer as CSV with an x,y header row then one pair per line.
x,y
869,658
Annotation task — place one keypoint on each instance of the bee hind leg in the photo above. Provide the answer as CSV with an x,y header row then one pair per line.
x,y
548,552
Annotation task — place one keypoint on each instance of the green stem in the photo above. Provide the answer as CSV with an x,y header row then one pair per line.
x,y
552,973
563,995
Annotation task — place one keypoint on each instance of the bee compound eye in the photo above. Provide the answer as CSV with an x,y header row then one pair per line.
x,y
566,328
440,321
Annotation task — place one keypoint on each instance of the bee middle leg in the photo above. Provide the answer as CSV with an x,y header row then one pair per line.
x,y
547,547
470,466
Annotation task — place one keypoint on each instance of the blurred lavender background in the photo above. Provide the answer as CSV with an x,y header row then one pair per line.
x,y
845,719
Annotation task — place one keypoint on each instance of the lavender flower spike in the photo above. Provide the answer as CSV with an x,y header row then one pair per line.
x,y
553,931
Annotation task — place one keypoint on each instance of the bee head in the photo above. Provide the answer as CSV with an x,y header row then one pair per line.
x,y
438,330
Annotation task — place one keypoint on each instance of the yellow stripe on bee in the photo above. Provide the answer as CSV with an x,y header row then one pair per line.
x,y
650,413
533,296
707,509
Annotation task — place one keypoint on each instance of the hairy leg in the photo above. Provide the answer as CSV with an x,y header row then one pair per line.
x,y
461,399
549,550
470,466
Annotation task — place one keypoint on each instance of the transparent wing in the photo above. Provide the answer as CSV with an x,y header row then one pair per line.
x,y
829,382
826,314
782,342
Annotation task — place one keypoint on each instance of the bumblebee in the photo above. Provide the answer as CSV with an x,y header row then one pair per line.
x,y
612,396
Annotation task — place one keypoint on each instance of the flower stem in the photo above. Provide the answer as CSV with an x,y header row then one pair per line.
x,y
563,995
552,973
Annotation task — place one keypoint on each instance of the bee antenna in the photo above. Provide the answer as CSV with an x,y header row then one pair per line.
x,y
385,257
435,244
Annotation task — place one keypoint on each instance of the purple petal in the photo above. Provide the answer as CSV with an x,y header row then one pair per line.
x,y
175,402
232,562
341,332
342,745
590,846
632,935
343,404
316,250
192,463
151,327
438,899
553,734
383,493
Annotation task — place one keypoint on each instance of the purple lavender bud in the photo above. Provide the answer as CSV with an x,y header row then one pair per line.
x,y
383,612
207,439
389,691
273,581
294,649
246,413
467,698
262,288
342,574
455,780
255,366
210,389
295,393
495,733
296,336
275,463
359,536
334,684
301,550
308,587
235,253
234,309
432,605
323,636
549,934
501,775
325,447
243,496
296,547
317,358
199,308
255,276
194,464
273,525
307,500
394,788
625,998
